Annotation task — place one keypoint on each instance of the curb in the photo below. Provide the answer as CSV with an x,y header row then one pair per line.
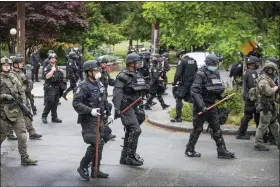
x,y
40,97
186,129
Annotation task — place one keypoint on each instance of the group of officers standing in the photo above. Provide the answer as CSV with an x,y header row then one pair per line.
x,y
202,87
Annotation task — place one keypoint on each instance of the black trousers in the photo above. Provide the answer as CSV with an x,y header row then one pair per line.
x,y
249,114
52,96
35,72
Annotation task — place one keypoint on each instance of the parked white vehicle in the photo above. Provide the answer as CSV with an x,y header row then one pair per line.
x,y
199,57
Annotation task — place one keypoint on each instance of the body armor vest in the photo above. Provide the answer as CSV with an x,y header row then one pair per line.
x,y
213,84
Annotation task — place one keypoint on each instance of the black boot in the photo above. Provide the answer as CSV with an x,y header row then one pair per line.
x,y
124,150
11,137
221,146
224,154
176,119
56,120
83,173
164,106
83,169
190,151
261,148
100,174
137,157
153,103
65,94
132,146
242,137
44,120
147,107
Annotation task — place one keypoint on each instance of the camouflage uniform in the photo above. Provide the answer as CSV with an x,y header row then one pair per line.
x,y
13,116
24,86
266,105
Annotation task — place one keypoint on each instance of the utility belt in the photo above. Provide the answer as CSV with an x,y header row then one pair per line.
x,y
52,86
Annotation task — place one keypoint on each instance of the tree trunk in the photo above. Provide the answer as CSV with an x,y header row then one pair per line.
x,y
130,44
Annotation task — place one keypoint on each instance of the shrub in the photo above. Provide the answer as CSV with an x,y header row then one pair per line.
x,y
235,103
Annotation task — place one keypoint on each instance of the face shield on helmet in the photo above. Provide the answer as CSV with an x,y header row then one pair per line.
x,y
133,61
92,70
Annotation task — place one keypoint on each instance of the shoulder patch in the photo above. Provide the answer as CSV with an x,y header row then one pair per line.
x,y
78,90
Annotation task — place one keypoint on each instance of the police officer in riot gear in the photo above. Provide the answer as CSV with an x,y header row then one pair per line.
x,y
88,104
80,62
164,68
206,89
236,71
71,72
185,72
53,86
128,86
156,85
106,81
249,109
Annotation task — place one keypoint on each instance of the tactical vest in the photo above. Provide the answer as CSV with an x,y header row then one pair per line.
x,y
213,84
190,70
262,100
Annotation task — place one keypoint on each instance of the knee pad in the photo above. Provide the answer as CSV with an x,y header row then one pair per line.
x,y
217,134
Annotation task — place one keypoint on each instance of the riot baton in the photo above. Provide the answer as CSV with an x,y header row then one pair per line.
x,y
212,106
131,105
97,146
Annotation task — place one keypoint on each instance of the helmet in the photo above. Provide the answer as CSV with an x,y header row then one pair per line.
x,y
274,60
132,58
50,52
180,52
102,60
90,65
165,54
17,59
155,57
5,60
52,55
270,65
211,59
253,60
72,55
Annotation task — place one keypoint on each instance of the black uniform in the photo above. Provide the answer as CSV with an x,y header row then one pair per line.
x,y
249,108
72,75
164,67
105,82
46,63
80,63
53,89
236,72
185,72
156,87
35,62
207,87
87,97
127,88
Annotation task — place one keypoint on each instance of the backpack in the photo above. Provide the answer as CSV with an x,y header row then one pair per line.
x,y
237,69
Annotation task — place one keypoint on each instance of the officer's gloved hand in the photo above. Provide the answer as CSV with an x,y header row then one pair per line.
x,y
204,109
95,112
9,97
117,113
111,119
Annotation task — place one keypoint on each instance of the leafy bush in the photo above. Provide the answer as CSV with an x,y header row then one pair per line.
x,y
235,103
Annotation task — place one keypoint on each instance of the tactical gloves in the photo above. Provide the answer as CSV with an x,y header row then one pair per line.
x,y
111,119
117,113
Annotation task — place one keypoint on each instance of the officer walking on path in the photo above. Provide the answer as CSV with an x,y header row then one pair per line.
x,y
249,109
128,87
267,95
184,76
13,115
206,89
88,104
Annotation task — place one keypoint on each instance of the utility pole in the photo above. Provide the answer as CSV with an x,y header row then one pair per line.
x,y
155,37
21,28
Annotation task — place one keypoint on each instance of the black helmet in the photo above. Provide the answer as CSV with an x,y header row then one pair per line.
x,y
72,55
132,58
180,52
50,52
253,60
211,59
165,54
17,59
155,57
90,65
52,55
